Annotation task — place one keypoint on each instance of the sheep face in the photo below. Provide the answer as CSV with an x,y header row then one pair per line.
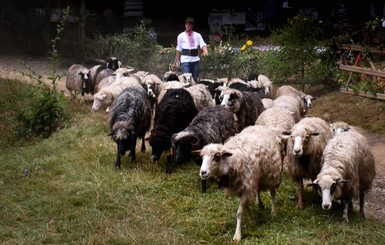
x,y
183,143
339,127
159,142
232,101
151,90
301,142
113,63
214,161
308,100
100,100
328,189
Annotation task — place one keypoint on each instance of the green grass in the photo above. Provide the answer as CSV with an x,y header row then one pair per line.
x,y
65,190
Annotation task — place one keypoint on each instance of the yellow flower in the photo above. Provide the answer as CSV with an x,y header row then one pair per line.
x,y
249,43
243,48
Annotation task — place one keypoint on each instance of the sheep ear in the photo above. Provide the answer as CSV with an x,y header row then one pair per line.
x,y
314,183
196,152
340,181
227,154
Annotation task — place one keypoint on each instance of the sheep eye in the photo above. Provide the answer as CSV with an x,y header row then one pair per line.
x,y
333,188
217,157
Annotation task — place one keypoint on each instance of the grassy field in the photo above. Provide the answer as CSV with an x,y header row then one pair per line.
x,y
65,190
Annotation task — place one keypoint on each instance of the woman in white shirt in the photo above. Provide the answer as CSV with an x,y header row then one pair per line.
x,y
189,44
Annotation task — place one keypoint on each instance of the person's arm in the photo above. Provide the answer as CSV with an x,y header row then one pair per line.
x,y
205,50
177,58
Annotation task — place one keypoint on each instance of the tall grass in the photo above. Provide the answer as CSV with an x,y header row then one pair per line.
x,y
65,190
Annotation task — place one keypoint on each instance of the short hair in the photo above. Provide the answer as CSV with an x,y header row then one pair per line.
x,y
190,20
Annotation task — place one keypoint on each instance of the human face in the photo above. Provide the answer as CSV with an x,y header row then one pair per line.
x,y
188,27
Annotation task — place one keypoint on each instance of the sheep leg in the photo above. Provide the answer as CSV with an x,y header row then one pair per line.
x,y
203,185
133,146
300,192
237,235
362,196
345,207
143,147
259,200
117,161
273,202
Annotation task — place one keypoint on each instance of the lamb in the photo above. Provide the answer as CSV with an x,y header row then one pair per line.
x,y
306,100
106,95
213,124
246,106
79,81
129,119
173,113
308,139
289,103
347,172
153,84
247,163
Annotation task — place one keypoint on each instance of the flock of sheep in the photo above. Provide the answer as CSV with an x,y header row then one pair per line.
x,y
240,132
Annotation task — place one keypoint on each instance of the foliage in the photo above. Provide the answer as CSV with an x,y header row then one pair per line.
x,y
138,49
301,57
44,112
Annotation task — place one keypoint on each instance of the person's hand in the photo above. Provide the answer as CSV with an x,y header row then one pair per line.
x,y
177,63
205,52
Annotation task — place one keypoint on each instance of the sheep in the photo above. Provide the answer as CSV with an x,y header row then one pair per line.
x,y
153,84
289,103
172,114
306,100
129,119
212,86
201,95
267,103
106,95
265,83
187,78
78,80
213,124
340,126
246,106
278,118
308,138
106,69
170,85
170,76
347,172
247,163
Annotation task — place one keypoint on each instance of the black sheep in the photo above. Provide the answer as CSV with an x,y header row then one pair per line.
x,y
213,124
173,113
129,119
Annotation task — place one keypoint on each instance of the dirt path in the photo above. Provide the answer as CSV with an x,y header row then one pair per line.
x,y
10,67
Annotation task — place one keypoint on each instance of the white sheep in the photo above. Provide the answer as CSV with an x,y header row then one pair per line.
x,y
278,118
265,83
106,95
267,103
308,139
170,85
340,126
79,81
187,78
347,172
201,95
289,103
250,162
306,100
